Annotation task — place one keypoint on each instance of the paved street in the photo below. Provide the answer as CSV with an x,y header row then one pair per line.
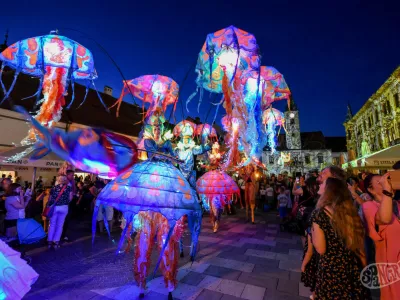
x,y
241,261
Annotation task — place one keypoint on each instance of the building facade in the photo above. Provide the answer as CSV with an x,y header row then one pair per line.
x,y
376,126
302,152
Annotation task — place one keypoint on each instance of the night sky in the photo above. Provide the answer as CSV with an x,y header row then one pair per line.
x,y
329,54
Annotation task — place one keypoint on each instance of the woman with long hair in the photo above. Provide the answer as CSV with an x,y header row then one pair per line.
x,y
382,220
338,237
13,204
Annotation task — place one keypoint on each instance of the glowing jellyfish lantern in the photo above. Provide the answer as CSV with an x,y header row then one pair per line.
x,y
261,89
206,130
216,186
271,87
160,91
273,118
228,51
57,61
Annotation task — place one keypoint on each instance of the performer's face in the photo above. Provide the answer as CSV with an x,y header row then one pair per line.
x,y
186,140
156,132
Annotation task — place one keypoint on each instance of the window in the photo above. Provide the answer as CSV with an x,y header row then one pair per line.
x,y
320,159
376,115
271,160
307,159
396,100
384,108
389,109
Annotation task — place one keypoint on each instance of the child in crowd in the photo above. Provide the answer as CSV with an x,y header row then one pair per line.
x,y
282,203
269,192
44,196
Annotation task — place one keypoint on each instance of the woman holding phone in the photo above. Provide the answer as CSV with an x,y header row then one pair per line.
x,y
383,226
14,203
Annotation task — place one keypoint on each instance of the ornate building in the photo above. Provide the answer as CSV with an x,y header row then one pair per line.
x,y
376,126
302,152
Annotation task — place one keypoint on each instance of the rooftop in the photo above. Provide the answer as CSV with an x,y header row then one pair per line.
x,y
393,78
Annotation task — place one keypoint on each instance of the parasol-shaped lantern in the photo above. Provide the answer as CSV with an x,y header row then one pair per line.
x,y
216,185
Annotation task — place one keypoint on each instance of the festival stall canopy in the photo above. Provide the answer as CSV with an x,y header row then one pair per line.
x,y
51,160
384,159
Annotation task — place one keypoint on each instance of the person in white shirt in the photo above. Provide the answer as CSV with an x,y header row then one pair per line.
x,y
269,192
283,203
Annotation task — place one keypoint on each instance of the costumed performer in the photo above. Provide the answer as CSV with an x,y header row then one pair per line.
x,y
216,188
186,149
250,180
150,226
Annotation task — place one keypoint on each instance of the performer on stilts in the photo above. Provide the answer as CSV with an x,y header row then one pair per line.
x,y
249,177
185,150
153,195
216,188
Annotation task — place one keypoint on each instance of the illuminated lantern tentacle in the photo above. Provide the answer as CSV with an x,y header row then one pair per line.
x,y
127,228
38,92
86,93
98,95
73,93
200,99
11,87
1,80
191,97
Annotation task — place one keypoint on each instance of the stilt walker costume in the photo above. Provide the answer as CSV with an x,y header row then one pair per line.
x,y
186,149
153,195
216,188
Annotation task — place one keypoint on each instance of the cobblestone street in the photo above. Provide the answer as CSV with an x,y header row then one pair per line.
x,y
241,261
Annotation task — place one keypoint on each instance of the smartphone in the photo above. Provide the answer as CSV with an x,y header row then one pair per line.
x,y
395,179
297,179
351,181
